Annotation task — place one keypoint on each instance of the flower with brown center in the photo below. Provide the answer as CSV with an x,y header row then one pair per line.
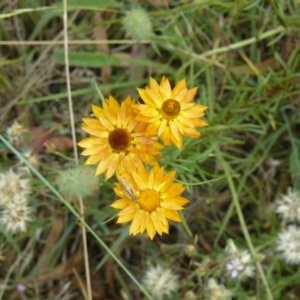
x,y
170,113
155,199
118,141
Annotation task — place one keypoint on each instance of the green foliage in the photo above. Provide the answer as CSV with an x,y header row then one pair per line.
x,y
244,58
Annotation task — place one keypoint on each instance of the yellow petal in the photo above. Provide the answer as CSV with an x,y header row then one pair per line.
x,y
153,84
179,126
180,95
136,223
162,217
166,136
150,112
179,87
103,165
171,214
159,176
162,127
194,112
113,164
199,122
170,205
156,222
113,104
128,210
143,141
90,122
118,190
109,115
92,150
93,159
174,131
98,111
178,200
190,94
177,143
146,98
144,221
132,161
165,228
143,173
155,97
152,128
125,218
106,124
90,141
128,101
168,179
121,203
185,121
151,179
126,114
174,190
151,231
186,106
100,131
132,124
139,182
192,132
165,89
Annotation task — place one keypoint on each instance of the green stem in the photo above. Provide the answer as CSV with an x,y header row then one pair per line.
x,y
243,223
233,46
243,43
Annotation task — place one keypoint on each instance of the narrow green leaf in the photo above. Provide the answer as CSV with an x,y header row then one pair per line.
x,y
95,60
83,59
89,4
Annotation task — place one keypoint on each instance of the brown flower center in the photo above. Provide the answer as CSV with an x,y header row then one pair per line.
x,y
119,139
170,109
149,200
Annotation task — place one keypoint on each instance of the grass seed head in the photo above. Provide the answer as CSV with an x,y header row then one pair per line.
x,y
77,181
137,24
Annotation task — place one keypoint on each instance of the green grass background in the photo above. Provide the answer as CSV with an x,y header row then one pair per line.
x,y
244,58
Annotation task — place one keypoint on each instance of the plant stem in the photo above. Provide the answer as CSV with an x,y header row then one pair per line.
x,y
243,223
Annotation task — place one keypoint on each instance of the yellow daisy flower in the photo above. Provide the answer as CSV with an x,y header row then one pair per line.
x,y
170,113
148,200
118,141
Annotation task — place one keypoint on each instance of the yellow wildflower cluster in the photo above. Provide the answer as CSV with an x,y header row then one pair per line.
x,y
126,136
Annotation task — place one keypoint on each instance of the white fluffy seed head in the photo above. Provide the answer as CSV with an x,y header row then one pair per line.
x,y
15,216
215,291
288,244
15,134
160,282
13,187
190,295
288,206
